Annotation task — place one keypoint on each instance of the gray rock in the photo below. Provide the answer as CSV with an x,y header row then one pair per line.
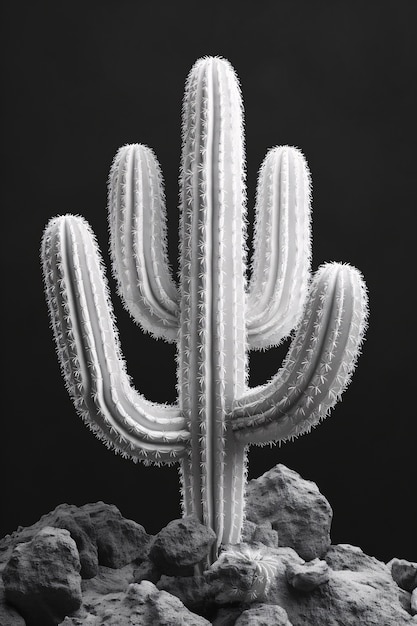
x,y
413,602
348,599
404,573
296,509
146,571
193,591
102,536
244,573
119,541
180,545
343,556
252,533
9,616
141,605
307,576
227,616
42,577
264,615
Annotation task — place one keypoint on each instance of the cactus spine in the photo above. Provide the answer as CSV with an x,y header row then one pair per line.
x,y
212,315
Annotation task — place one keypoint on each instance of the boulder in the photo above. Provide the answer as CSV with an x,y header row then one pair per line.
x,y
307,576
404,573
42,577
119,541
180,545
295,508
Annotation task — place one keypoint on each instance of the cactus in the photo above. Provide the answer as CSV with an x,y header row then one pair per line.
x,y
213,314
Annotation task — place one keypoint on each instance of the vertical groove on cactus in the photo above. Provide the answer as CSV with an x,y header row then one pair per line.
x,y
138,243
213,315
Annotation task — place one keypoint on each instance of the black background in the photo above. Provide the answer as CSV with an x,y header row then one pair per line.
x,y
336,79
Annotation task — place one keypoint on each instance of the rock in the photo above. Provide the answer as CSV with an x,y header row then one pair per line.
x,y
243,573
180,545
102,536
108,580
348,598
307,576
343,556
69,517
119,541
404,573
413,602
193,591
42,577
142,605
227,616
296,509
252,533
9,616
264,615
146,571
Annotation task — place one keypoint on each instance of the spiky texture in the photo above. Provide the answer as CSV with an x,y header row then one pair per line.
x,y
212,314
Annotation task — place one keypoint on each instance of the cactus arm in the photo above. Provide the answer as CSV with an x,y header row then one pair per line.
x,y
281,263
89,351
211,356
318,366
138,245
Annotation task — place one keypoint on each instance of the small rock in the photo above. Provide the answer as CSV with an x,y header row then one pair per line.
x,y
307,576
295,507
180,545
193,591
146,571
227,616
265,534
404,573
264,615
413,602
42,577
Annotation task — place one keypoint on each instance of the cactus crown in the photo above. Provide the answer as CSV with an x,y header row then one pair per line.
x,y
213,314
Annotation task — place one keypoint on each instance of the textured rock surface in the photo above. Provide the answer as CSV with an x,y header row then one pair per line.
x,y
101,533
413,602
264,615
404,573
141,605
119,541
346,557
180,545
252,533
42,577
307,576
251,583
193,591
296,509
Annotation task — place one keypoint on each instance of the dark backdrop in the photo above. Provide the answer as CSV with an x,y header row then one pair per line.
x,y
336,79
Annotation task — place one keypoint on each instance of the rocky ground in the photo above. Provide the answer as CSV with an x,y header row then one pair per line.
x,y
90,566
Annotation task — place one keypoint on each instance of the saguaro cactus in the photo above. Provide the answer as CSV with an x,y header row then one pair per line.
x,y
212,315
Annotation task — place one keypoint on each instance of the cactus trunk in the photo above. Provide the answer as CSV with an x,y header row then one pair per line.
x,y
212,342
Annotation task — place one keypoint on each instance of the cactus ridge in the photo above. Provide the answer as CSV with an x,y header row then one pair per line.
x,y
213,313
